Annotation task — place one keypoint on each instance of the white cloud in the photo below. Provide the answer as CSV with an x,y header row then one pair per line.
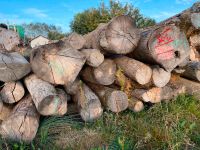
x,y
35,12
184,2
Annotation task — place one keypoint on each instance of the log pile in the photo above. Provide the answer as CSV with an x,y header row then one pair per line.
x,y
115,67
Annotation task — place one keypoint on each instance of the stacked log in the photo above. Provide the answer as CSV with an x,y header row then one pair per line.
x,y
115,67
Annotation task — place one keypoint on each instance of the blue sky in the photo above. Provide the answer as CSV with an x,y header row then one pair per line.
x,y
61,12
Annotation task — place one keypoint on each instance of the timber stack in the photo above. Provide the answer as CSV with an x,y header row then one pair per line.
x,y
115,67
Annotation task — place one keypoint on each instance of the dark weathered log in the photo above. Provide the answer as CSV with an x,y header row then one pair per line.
x,y
13,67
23,122
94,57
191,87
119,36
114,100
156,95
88,103
160,77
134,69
166,46
192,71
47,100
104,74
135,105
12,92
58,63
75,40
8,39
5,110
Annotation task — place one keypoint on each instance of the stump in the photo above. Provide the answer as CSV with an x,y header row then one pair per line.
x,y
134,69
114,100
119,36
104,74
166,46
88,103
13,67
12,92
59,63
45,97
23,122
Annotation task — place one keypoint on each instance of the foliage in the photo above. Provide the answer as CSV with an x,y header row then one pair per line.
x,y
54,35
89,19
173,125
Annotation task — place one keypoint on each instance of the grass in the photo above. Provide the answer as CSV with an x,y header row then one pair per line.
x,y
174,125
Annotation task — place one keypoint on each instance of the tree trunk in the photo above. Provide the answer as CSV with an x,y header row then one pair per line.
x,y
9,39
166,46
59,63
73,88
94,57
13,67
23,122
160,77
88,103
47,100
12,92
112,99
104,74
5,110
192,71
135,105
134,69
75,40
188,20
191,87
119,36
155,95
195,47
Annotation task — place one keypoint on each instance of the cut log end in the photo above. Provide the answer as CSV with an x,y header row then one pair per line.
x,y
135,105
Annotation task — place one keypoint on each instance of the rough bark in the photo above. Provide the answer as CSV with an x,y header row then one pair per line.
x,y
75,40
134,69
12,92
8,39
59,63
135,105
88,103
188,20
45,97
13,67
166,46
104,74
5,110
23,122
114,100
94,57
195,47
119,36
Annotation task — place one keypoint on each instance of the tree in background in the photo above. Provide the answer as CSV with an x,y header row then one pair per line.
x,y
35,29
88,20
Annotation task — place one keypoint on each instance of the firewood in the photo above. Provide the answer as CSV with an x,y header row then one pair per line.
x,y
61,102
58,63
104,74
160,77
73,88
5,110
192,71
195,47
166,46
134,69
94,57
135,105
88,103
191,87
23,122
119,36
12,92
45,97
155,95
13,67
75,40
9,39
188,20
112,99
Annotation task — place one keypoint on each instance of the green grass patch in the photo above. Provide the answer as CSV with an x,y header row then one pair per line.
x,y
174,125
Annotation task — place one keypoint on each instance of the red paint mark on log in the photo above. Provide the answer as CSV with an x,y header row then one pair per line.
x,y
166,56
